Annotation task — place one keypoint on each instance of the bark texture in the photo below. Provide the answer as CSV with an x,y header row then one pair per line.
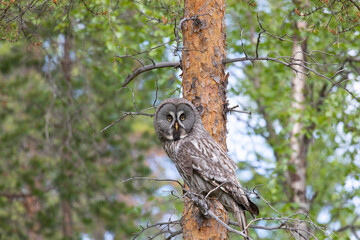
x,y
296,174
204,84
204,80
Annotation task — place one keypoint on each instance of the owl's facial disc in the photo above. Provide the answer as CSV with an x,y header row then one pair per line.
x,y
178,129
175,121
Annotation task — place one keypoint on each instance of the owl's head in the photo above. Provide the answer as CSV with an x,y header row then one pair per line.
x,y
175,118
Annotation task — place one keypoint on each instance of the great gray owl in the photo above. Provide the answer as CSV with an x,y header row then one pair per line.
x,y
200,160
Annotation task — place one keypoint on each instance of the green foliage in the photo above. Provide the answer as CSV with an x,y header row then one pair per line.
x,y
330,114
51,148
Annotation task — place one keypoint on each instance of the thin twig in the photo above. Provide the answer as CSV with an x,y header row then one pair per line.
x,y
232,109
257,43
149,17
174,234
156,91
132,96
230,229
213,190
145,51
242,43
290,64
143,229
125,115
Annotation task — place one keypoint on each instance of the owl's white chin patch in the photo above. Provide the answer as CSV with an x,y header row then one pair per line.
x,y
169,137
183,135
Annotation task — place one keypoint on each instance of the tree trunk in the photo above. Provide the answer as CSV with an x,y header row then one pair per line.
x,y
297,170
67,219
204,84
66,65
33,206
296,173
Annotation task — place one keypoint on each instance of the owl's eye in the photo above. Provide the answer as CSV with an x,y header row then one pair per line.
x,y
169,118
182,117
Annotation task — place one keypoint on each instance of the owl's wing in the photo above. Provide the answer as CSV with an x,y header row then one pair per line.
x,y
206,157
211,162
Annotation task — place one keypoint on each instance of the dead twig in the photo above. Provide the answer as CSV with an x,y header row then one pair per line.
x,y
142,113
290,64
147,68
152,179
232,109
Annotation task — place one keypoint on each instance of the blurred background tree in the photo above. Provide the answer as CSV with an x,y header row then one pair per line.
x,y
61,178
60,81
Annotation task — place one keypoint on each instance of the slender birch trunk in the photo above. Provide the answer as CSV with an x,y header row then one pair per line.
x,y
296,173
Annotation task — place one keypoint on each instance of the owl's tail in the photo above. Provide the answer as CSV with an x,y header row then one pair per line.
x,y
241,219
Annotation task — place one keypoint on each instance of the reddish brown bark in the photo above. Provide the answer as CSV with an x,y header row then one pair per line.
x,y
204,80
204,84
197,228
33,206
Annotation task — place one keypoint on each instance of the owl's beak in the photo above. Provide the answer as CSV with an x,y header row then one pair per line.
x,y
176,133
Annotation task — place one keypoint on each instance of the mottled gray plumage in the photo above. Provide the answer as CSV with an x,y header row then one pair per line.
x,y
200,160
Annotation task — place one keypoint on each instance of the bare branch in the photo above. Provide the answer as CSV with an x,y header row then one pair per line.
x,y
278,227
165,227
152,179
142,64
355,4
146,51
142,112
147,68
213,190
91,10
348,29
133,97
290,223
174,234
281,38
232,109
258,42
302,14
290,64
158,20
161,224
230,229
156,92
